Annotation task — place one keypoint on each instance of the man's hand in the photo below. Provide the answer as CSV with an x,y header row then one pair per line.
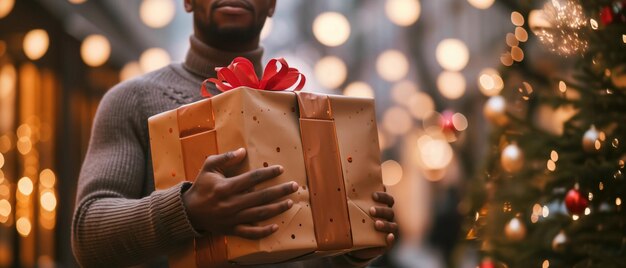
x,y
226,206
385,224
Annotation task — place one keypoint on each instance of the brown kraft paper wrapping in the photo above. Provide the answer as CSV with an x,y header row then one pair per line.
x,y
267,124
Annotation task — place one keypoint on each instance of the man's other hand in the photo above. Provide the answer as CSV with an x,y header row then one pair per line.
x,y
217,204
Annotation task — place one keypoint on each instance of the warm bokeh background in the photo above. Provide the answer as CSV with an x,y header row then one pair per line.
x,y
428,64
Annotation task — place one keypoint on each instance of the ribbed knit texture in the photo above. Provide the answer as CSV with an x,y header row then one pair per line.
x,y
119,219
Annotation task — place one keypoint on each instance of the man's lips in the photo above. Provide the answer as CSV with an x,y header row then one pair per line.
x,y
231,7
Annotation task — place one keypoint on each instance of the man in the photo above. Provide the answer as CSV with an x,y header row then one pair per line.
x,y
120,220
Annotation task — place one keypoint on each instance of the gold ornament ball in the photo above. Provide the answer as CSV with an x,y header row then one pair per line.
x,y
558,241
618,76
591,141
515,230
495,110
512,158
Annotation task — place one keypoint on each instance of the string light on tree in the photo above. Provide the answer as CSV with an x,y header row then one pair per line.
x,y
558,241
489,82
564,32
5,7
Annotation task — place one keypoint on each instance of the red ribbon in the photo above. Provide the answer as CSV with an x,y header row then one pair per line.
x,y
240,73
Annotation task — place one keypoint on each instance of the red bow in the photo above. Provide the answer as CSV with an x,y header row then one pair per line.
x,y
240,73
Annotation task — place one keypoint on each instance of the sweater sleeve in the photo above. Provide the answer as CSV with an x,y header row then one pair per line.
x,y
113,225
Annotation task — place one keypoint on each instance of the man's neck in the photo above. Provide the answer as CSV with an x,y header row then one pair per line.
x,y
229,46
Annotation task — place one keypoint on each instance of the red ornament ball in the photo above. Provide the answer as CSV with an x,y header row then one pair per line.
x,y
576,202
447,122
606,16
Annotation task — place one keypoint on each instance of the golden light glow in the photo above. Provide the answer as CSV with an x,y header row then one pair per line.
x,y
25,186
489,82
459,121
331,29
624,38
95,50
24,145
7,80
153,59
359,89
47,178
545,264
537,19
512,158
554,156
551,165
575,217
36,44
403,12
452,54
521,34
331,72
495,110
24,131
421,105
23,226
506,59
77,1
511,40
402,92
267,28
545,212
5,7
397,120
48,201
157,13
1,160
517,54
392,172
434,153
451,84
5,190
392,65
618,201
5,208
481,4
517,19
130,70
562,86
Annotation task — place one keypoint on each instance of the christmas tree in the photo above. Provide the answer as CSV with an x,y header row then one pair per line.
x,y
552,187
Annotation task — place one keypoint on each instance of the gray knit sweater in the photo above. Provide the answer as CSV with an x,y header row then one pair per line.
x,y
120,220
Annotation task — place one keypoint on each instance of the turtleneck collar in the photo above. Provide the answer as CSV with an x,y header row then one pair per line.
x,y
202,59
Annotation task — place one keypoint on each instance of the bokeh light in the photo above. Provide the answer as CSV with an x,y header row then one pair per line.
x,y
452,54
403,12
359,89
5,7
392,65
481,4
451,84
434,153
517,19
331,29
402,91
397,120
331,72
459,121
157,13
392,172
5,208
25,186
153,59
130,70
48,201
36,44
47,178
421,105
490,82
23,226
95,50
77,1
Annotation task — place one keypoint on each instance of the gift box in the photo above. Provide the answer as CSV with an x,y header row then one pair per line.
x,y
328,144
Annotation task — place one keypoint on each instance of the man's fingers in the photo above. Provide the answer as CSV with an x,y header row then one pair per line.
x,y
261,213
390,239
265,196
253,177
254,232
384,198
220,162
386,227
382,212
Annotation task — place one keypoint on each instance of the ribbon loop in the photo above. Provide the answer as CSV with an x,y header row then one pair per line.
x,y
240,72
